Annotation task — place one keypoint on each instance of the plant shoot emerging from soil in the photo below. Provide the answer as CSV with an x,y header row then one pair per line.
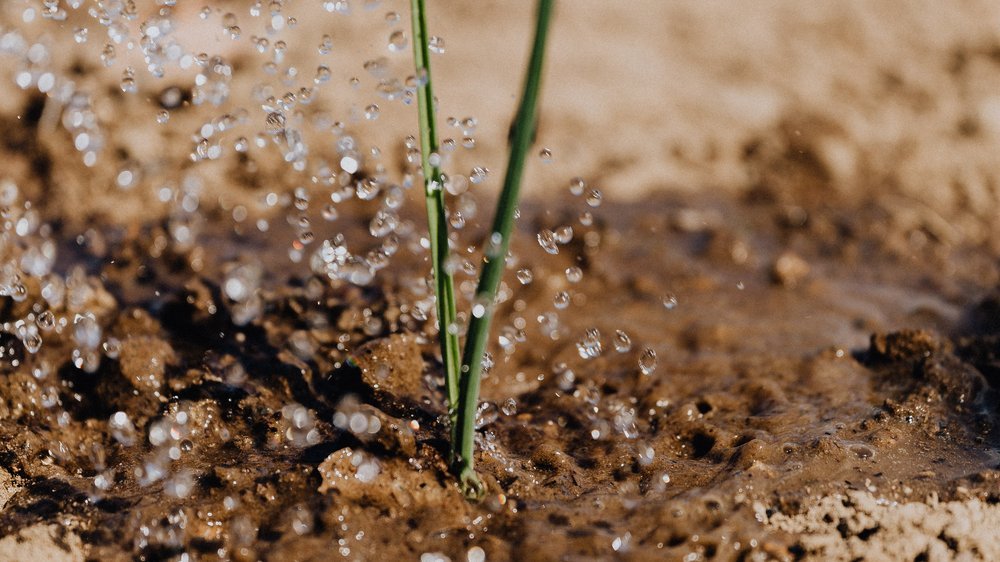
x,y
437,224
462,406
522,136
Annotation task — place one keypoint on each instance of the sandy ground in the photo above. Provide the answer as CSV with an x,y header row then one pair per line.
x,y
880,530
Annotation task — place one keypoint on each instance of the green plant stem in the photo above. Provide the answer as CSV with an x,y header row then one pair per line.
x,y
495,257
436,219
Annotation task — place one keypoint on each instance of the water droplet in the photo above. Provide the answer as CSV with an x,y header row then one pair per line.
x,y
481,306
524,276
162,116
86,331
383,223
647,361
623,343
349,164
122,429
478,175
275,123
594,198
326,45
171,98
231,26
32,341
371,112
46,82
574,274
547,240
561,300
112,348
301,519
576,186
670,301
378,68
329,212
128,81
546,155
863,452
475,554
468,125
456,184
564,234
590,347
436,45
621,544
241,282
322,74
509,407
398,41
108,55
46,320
367,189
299,421
127,178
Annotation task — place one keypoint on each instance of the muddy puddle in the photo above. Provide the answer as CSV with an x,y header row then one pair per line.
x,y
218,337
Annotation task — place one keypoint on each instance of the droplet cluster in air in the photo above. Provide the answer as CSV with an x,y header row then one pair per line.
x,y
246,108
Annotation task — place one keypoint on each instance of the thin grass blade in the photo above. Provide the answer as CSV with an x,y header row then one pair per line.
x,y
522,138
436,217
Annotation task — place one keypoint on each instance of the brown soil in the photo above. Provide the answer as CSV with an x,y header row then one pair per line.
x,y
814,261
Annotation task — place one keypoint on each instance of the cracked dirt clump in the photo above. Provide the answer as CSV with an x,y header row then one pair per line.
x,y
860,525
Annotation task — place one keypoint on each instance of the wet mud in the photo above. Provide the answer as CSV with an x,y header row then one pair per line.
x,y
194,366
